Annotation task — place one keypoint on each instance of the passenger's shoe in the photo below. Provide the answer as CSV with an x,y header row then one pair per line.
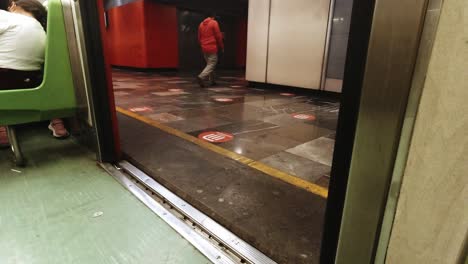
x,y
212,79
58,129
4,142
200,82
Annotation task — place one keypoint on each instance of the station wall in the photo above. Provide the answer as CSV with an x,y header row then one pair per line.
x,y
143,34
161,35
286,42
257,40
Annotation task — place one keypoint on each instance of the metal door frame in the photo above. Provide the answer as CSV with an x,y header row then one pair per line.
x,y
360,28
392,53
100,79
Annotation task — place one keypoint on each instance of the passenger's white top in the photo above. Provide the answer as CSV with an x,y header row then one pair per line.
x,y
22,42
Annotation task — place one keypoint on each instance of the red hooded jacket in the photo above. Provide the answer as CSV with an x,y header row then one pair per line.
x,y
210,36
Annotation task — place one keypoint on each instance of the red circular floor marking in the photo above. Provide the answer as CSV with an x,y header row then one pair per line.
x,y
304,117
287,94
224,100
216,136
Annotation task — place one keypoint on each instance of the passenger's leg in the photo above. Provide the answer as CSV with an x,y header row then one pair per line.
x,y
13,79
199,78
58,129
213,72
211,61
213,78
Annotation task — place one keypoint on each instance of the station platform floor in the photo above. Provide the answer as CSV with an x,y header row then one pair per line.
x,y
290,131
268,183
63,208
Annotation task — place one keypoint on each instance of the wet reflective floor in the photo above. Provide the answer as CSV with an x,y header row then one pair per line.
x,y
293,133
231,151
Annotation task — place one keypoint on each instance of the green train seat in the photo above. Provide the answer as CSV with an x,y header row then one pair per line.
x,y
55,97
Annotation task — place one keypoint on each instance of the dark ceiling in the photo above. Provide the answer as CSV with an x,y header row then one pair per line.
x,y
229,7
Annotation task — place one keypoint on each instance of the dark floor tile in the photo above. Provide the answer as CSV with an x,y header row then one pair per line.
x,y
124,89
283,120
121,93
158,109
169,93
321,101
243,112
324,181
199,112
128,102
165,117
155,101
198,123
221,89
294,107
326,120
255,97
318,150
303,168
302,132
331,136
178,81
223,100
259,145
245,127
269,102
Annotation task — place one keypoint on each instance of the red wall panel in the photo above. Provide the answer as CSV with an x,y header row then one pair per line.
x,y
143,34
161,35
126,35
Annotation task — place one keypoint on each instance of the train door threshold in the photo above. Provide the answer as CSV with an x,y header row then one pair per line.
x,y
218,244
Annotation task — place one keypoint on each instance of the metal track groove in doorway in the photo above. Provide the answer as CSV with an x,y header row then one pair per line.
x,y
210,238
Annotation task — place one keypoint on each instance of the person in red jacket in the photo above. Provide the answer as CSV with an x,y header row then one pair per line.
x,y
211,42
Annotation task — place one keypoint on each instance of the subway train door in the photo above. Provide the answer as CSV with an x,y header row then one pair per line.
x,y
378,73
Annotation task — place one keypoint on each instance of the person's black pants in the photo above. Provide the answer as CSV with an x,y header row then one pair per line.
x,y
14,79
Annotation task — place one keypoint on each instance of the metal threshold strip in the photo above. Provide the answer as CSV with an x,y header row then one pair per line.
x,y
217,243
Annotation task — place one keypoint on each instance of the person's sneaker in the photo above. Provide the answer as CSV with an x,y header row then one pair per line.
x,y
200,82
58,129
4,142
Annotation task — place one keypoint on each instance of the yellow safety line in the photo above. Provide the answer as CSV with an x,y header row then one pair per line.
x,y
298,182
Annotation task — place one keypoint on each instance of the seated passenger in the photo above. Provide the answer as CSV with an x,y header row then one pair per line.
x,y
22,51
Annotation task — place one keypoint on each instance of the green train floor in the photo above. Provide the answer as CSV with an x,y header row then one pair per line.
x,y
63,208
